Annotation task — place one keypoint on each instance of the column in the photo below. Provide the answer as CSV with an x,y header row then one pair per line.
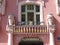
x,y
41,14
10,38
51,38
34,15
26,16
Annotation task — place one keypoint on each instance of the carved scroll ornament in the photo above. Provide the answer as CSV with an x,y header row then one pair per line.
x,y
50,19
51,24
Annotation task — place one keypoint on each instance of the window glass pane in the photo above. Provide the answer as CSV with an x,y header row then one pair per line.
x,y
30,7
23,8
37,8
30,18
37,19
23,19
30,14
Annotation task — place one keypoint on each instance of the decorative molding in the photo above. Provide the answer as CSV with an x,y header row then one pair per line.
x,y
9,29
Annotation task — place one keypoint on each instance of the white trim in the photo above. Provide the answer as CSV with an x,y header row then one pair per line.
x,y
57,10
26,15
34,15
51,38
10,38
41,14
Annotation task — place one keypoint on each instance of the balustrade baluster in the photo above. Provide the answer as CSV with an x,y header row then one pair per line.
x,y
35,29
21,30
24,29
32,30
14,29
27,29
40,30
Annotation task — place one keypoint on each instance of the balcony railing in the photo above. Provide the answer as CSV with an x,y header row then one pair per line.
x,y
30,29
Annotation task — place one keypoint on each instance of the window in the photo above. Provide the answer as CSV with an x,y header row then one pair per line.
x,y
30,7
23,19
30,18
37,19
23,8
37,8
30,14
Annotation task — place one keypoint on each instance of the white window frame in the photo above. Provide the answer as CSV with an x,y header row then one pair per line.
x,y
30,2
57,8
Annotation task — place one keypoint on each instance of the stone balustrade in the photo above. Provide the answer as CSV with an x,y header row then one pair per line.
x,y
30,29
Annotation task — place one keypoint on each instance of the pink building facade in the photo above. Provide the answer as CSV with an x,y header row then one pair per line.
x,y
29,22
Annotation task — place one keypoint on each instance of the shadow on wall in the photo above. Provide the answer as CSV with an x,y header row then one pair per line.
x,y
57,25
3,38
57,31
3,35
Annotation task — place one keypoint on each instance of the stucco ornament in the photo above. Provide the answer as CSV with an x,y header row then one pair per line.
x,y
2,6
11,20
50,19
51,24
11,23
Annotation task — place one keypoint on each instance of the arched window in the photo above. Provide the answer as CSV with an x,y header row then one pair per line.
x,y
30,41
30,14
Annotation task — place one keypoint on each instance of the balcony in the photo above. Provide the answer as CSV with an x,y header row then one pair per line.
x,y
26,29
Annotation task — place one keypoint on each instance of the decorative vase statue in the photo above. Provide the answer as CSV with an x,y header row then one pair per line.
x,y
50,19
51,24
11,20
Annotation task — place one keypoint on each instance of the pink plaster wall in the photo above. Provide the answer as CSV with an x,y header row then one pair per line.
x,y
11,7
